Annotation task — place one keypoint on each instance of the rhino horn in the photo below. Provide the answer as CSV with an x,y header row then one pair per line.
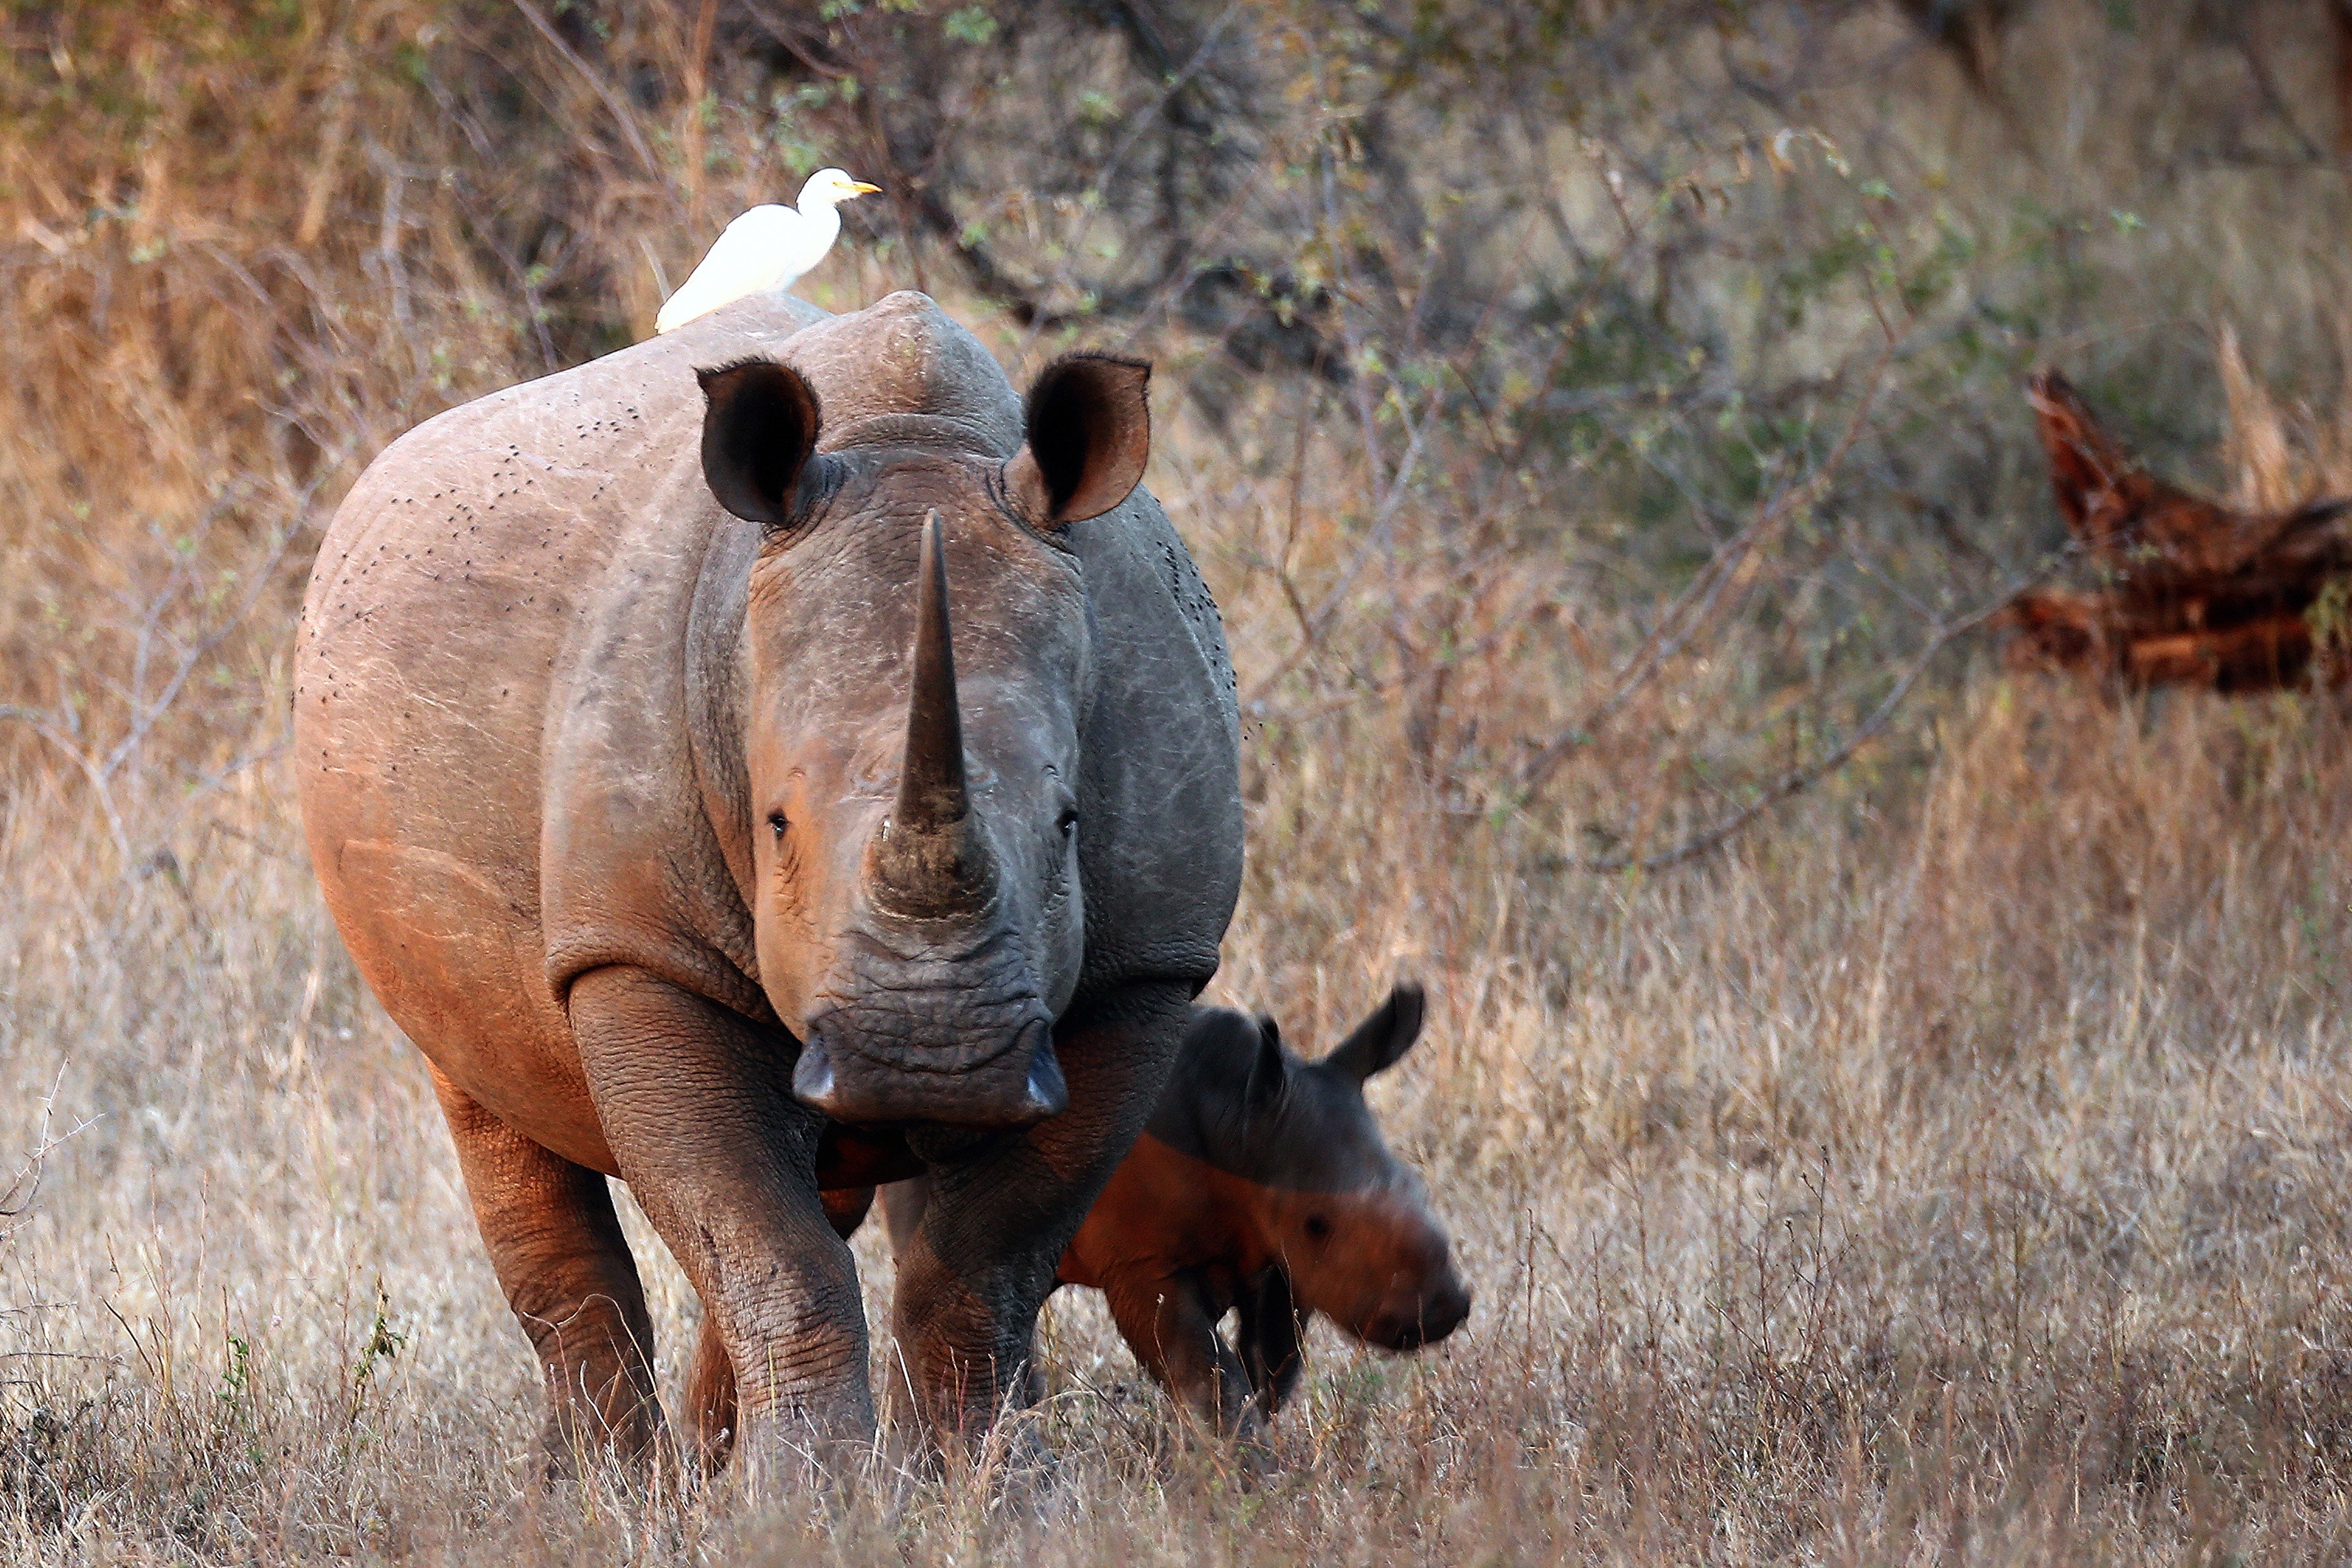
x,y
930,854
931,793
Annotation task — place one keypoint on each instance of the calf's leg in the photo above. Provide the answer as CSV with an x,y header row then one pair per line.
x,y
694,1103
1270,1337
557,1246
1171,1327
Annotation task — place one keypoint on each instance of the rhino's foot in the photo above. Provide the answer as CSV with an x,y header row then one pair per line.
x,y
710,1414
1024,1472
580,1444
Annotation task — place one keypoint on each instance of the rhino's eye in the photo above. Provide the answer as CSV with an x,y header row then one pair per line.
x,y
1318,1228
776,822
1068,823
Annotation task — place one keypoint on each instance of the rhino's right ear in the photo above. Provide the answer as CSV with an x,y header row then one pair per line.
x,y
760,422
1089,434
1380,1039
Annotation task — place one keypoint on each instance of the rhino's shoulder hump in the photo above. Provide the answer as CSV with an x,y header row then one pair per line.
x,y
904,356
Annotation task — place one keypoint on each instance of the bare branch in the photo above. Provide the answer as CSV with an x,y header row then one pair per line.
x,y
597,84
1694,607
47,728
1797,780
17,1197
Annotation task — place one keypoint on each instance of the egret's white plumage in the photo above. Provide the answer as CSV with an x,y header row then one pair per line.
x,y
767,247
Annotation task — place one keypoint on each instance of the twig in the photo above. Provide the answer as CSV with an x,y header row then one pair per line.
x,y
603,90
1694,608
196,791
17,1198
41,724
1796,780
1091,203
1314,627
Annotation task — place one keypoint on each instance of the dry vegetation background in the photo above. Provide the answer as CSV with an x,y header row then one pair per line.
x,y
1590,414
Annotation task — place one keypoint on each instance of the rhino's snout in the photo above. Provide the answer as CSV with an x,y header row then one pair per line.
x,y
812,1075
930,1011
1411,1293
856,1079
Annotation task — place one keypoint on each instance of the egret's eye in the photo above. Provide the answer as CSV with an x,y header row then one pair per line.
x,y
1318,1228
1068,823
776,822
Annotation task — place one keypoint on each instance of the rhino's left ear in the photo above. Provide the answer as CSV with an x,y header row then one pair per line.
x,y
760,422
1089,429
1380,1039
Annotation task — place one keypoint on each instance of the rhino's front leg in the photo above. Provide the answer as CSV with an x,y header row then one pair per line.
x,y
981,1258
710,1381
723,1160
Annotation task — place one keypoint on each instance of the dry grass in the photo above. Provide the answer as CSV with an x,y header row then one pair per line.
x,y
1961,1185
1948,1171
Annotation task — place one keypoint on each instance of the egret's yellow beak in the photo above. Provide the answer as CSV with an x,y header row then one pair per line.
x,y
860,188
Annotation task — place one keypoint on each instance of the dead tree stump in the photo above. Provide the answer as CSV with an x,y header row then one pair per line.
x,y
2194,593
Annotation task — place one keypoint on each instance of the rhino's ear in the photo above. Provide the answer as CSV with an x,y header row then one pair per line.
x,y
1089,434
1269,1072
758,430
1380,1039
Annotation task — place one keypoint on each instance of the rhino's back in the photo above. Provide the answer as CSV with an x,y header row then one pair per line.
x,y
459,587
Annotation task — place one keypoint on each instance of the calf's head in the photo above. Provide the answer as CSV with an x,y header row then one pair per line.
x,y
916,666
1345,1219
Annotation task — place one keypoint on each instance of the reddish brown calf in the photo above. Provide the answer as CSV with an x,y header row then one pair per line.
x,y
1260,1184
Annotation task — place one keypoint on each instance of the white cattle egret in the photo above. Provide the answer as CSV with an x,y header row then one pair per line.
x,y
770,247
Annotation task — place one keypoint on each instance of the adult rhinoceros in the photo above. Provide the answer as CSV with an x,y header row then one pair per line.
x,y
764,760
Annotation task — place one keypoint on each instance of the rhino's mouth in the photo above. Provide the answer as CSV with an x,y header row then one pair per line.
x,y
868,1065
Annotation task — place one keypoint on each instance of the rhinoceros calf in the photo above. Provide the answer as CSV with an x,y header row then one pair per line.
x,y
763,759
1261,1182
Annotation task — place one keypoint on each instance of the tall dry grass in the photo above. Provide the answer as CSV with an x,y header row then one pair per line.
x,y
1948,1170
1955,1184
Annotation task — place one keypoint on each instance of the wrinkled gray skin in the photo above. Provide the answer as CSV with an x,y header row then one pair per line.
x,y
618,797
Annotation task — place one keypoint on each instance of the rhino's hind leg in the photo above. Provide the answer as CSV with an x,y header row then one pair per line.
x,y
567,1273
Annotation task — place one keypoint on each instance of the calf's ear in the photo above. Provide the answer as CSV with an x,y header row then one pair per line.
x,y
1380,1039
760,422
1089,434
1269,1069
